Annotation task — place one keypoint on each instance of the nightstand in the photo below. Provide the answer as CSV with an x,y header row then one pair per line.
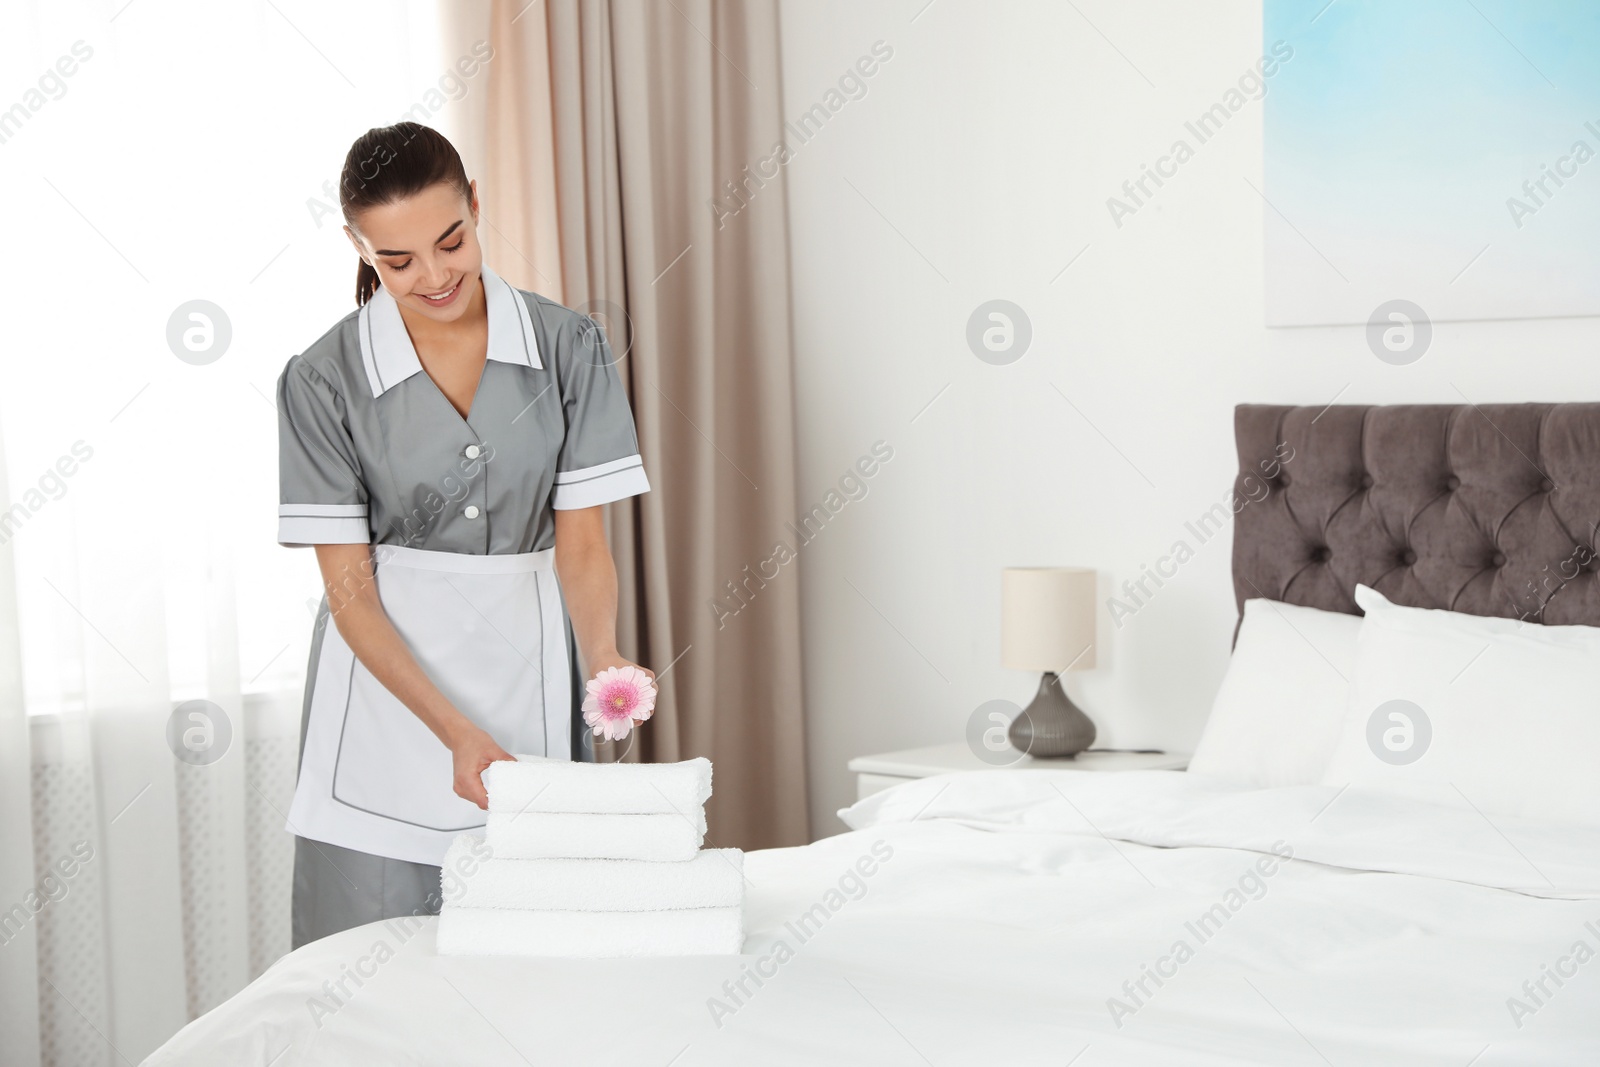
x,y
874,773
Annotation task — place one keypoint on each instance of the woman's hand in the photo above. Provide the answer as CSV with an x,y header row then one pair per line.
x,y
472,752
612,659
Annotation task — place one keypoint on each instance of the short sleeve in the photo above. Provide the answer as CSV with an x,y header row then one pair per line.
x,y
599,460
321,497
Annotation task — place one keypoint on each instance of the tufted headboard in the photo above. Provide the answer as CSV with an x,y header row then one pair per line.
x,y
1487,509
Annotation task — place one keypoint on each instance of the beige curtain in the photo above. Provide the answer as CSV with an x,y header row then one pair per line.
x,y
615,128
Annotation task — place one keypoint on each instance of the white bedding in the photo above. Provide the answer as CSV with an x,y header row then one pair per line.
x,y
991,917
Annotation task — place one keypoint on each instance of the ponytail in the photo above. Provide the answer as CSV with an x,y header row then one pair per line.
x,y
366,282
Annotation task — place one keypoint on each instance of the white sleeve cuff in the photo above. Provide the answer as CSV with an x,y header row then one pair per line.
x,y
323,524
600,484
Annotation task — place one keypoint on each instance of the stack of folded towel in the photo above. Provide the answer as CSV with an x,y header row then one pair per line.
x,y
592,859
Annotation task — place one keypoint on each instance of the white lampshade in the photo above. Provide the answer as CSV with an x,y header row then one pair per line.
x,y
1047,618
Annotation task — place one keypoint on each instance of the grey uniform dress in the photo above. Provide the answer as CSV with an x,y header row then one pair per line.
x,y
460,516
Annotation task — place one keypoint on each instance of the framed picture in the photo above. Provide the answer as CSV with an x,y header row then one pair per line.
x,y
1433,157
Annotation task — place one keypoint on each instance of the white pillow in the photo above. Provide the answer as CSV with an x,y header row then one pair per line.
x,y
1500,715
1277,715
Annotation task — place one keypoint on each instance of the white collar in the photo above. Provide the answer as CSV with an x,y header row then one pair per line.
x,y
390,358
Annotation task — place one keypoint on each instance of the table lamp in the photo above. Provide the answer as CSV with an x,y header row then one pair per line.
x,y
1047,624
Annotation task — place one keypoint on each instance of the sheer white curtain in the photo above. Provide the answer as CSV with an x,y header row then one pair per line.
x,y
159,155
19,955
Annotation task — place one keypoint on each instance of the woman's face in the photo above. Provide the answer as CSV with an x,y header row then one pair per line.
x,y
425,249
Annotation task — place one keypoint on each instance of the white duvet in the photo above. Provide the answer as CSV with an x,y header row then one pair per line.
x,y
1020,918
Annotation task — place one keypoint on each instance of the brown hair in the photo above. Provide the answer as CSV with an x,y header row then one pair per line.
x,y
389,163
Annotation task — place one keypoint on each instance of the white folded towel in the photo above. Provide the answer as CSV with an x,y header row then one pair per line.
x,y
472,878
536,835
542,783
507,932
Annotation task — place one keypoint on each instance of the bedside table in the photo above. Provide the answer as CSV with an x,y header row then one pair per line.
x,y
874,773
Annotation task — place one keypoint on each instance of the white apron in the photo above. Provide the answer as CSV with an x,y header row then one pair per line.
x,y
489,631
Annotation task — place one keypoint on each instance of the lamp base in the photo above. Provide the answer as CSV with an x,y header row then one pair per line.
x,y
1052,726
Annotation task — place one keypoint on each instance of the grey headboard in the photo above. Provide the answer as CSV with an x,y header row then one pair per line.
x,y
1487,509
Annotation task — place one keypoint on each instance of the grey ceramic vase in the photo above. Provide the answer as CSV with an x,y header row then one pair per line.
x,y
1052,726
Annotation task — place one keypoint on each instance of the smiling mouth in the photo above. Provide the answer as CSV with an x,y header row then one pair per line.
x,y
441,298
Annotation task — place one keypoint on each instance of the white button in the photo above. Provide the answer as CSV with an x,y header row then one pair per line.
x,y
471,512
473,451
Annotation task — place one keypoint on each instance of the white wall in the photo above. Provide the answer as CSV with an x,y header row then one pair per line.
x,y
990,141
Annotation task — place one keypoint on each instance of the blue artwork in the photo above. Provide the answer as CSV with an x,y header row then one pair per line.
x,y
1441,152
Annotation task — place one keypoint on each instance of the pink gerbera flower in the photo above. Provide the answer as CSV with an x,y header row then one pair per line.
x,y
615,697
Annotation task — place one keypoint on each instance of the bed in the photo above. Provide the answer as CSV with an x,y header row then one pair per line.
x,y
1146,917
